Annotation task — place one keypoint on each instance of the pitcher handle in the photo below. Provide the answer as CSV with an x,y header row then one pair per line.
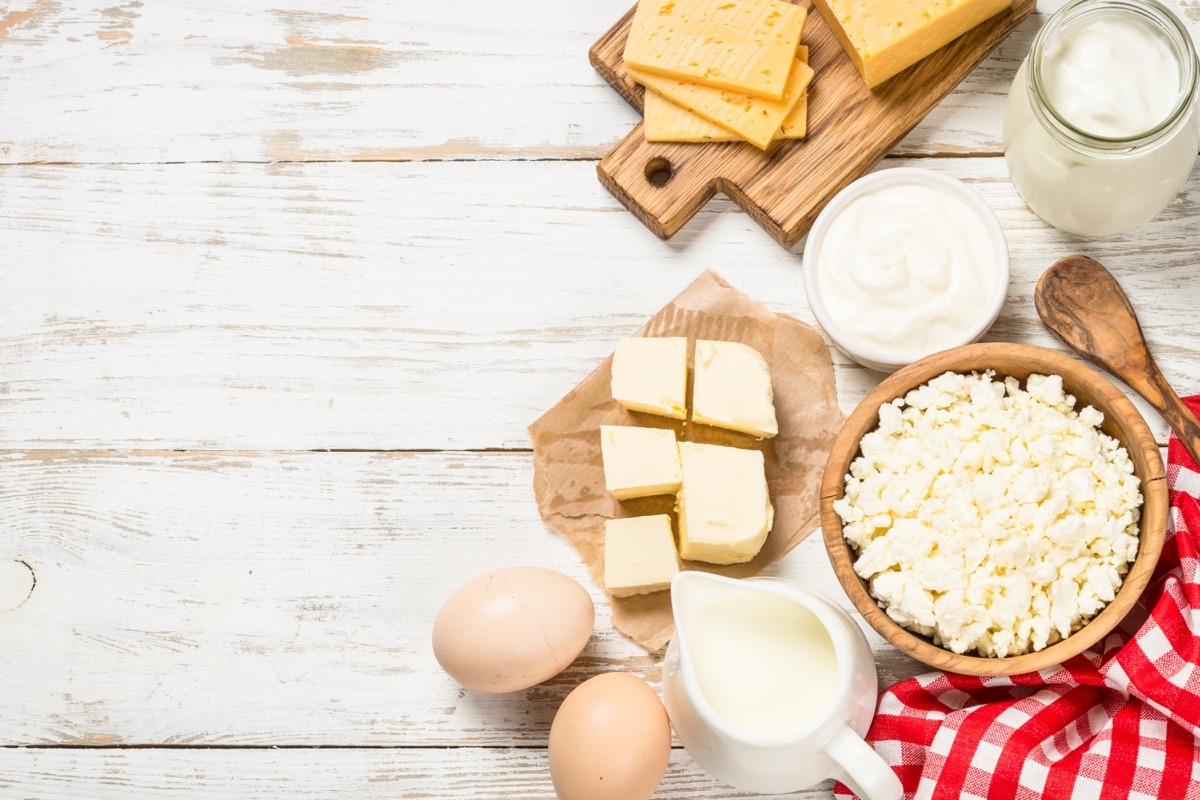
x,y
867,774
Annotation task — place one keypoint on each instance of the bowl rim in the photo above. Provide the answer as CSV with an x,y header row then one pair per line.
x,y
1119,412
867,355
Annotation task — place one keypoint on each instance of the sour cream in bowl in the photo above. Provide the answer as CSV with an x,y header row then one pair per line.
x,y
905,263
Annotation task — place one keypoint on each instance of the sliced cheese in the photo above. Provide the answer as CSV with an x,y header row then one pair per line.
x,y
740,45
639,462
754,119
650,375
795,124
667,122
639,555
884,37
724,508
733,389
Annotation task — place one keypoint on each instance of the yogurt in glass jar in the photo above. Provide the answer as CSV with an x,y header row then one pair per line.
x,y
1100,128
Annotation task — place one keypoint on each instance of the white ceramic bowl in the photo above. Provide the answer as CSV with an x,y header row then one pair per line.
x,y
865,354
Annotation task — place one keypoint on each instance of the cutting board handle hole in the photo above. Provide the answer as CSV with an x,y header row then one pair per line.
x,y
659,172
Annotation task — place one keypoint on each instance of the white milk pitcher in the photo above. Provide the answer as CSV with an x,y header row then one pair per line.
x,y
771,688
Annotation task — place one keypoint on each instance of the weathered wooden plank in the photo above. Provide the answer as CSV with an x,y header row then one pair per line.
x,y
427,773
351,80
218,306
277,599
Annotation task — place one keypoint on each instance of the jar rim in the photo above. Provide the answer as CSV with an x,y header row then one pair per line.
x,y
1150,10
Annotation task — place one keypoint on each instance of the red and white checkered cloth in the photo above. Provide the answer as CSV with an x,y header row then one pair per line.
x,y
1122,721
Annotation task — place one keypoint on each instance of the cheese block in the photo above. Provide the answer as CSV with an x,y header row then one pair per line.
x,y
740,45
733,389
639,462
754,119
650,375
724,508
639,555
667,122
884,37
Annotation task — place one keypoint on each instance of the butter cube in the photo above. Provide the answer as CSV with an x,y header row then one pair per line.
x,y
724,508
639,555
733,389
884,37
650,375
639,462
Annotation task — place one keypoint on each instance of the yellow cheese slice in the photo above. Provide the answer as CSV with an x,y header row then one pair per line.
x,y
667,122
754,119
884,37
740,45
795,125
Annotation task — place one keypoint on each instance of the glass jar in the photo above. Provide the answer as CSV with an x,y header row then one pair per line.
x,y
1100,184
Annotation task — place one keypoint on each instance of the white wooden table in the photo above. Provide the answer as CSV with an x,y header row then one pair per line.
x,y
281,287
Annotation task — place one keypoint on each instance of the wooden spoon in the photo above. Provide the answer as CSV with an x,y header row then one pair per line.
x,y
1084,305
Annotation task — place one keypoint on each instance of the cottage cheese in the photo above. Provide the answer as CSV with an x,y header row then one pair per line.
x,y
990,517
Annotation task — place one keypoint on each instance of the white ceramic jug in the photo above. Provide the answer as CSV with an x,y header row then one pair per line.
x,y
829,745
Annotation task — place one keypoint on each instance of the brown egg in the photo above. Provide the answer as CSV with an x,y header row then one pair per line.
x,y
610,740
512,628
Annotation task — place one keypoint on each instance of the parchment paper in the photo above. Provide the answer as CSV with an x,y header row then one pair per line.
x,y
569,474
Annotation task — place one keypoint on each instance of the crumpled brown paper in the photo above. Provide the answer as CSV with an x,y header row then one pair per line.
x,y
569,475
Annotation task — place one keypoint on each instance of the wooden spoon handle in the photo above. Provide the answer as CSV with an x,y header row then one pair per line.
x,y
1179,417
1082,303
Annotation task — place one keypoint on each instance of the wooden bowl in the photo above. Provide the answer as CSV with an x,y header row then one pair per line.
x,y
1121,421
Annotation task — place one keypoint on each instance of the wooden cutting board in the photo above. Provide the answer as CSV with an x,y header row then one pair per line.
x,y
850,129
